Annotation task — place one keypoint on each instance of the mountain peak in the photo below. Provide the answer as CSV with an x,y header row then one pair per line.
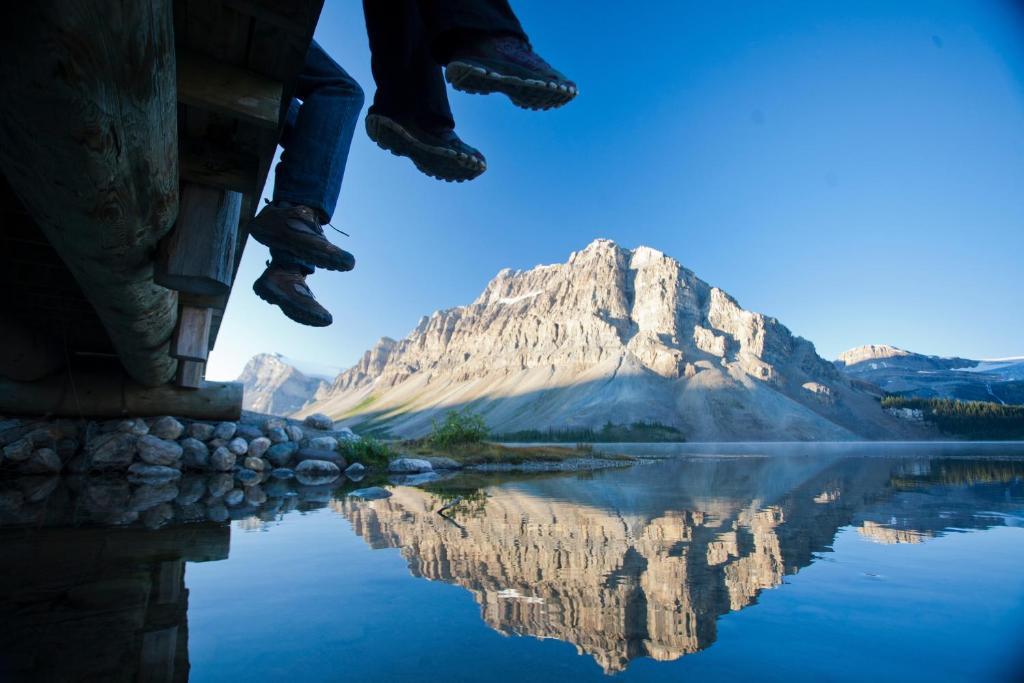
x,y
611,334
871,352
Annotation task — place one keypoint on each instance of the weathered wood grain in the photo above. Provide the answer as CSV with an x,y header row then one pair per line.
x,y
227,89
88,141
190,374
198,257
191,340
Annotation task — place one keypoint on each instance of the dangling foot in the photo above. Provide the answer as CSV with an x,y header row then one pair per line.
x,y
287,289
297,229
508,65
439,154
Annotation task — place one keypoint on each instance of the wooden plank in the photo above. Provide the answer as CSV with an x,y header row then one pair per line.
x,y
227,89
295,16
199,256
102,395
89,144
204,162
192,339
190,374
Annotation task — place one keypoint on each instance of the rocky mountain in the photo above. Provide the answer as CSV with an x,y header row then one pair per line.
x,y
612,335
274,385
898,371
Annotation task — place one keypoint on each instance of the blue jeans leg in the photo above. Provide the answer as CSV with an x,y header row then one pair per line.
x,y
318,134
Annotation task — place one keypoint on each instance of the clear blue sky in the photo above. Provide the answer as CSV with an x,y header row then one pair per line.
x,y
854,169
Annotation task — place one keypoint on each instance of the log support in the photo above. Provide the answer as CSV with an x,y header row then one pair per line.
x,y
107,395
198,257
192,338
88,142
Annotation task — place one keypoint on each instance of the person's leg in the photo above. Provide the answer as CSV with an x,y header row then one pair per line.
x,y
316,147
410,115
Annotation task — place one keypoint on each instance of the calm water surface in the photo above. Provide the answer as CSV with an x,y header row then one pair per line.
x,y
728,562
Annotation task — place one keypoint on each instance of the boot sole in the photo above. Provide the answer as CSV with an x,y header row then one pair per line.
x,y
313,257
527,93
290,310
437,162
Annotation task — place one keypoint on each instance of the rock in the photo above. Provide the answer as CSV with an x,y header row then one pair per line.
x,y
409,466
19,451
238,446
318,421
248,431
38,489
277,435
157,451
345,434
259,446
326,443
158,516
413,479
318,454
136,427
45,437
371,493
281,454
316,472
294,433
113,451
67,448
200,431
217,513
214,444
195,454
222,459
282,473
219,484
141,473
442,463
355,470
166,428
43,461
255,495
253,463
192,512
273,423
190,490
150,495
247,477
225,430
234,497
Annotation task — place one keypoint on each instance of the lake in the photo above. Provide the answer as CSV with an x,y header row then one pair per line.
x,y
768,562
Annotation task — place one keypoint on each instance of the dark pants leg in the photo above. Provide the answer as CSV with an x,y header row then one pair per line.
x,y
316,140
409,40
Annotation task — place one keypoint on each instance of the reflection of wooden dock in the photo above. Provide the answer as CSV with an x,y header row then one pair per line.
x,y
135,141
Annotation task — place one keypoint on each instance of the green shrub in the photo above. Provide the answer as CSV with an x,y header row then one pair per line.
x,y
367,451
458,427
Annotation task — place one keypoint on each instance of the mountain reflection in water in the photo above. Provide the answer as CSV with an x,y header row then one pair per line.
x,y
623,564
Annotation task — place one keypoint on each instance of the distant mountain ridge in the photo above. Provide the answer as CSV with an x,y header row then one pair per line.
x,y
612,335
899,371
272,384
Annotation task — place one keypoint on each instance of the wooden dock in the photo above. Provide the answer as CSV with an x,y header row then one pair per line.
x,y
135,142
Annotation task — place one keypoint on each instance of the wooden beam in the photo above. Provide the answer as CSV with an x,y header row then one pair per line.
x,y
89,144
206,163
102,395
215,86
199,256
190,374
192,338
297,16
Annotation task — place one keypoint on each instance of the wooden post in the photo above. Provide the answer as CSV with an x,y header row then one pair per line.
x,y
88,142
190,374
192,338
199,256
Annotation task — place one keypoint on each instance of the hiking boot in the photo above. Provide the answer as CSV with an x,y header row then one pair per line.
x,y
297,229
439,154
287,289
508,65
